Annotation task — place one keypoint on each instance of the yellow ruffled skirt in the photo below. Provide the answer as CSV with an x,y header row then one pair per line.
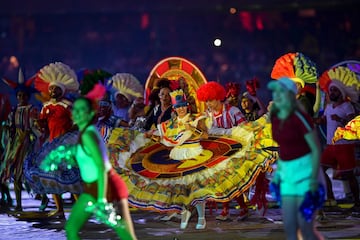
x,y
228,166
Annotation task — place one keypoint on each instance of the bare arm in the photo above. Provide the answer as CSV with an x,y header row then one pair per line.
x,y
317,103
313,143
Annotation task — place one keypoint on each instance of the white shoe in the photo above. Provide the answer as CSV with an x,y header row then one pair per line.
x,y
200,226
185,216
168,217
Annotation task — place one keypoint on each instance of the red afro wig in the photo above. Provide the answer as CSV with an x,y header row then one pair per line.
x,y
211,91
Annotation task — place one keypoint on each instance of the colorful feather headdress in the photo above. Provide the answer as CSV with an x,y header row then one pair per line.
x,y
296,66
89,78
344,79
127,85
58,74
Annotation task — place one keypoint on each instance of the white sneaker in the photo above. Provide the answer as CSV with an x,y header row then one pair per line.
x,y
185,216
202,225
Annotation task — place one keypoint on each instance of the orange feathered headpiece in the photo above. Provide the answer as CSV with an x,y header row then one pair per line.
x,y
295,66
211,91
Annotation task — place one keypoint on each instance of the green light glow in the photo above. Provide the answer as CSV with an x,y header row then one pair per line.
x,y
62,157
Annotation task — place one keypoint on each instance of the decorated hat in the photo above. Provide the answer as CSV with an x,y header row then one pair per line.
x,y
344,79
178,98
295,66
56,74
127,85
21,85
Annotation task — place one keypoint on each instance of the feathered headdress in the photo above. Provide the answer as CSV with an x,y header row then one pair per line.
x,y
211,91
21,85
295,66
232,89
342,78
58,74
97,92
89,78
127,85
252,86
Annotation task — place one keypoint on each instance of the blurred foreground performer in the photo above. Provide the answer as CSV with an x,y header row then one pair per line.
x,y
101,183
296,176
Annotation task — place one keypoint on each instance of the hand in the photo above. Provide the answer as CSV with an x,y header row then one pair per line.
x,y
204,135
155,138
269,106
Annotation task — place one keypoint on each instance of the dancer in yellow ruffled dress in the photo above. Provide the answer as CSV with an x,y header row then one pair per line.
x,y
158,182
183,134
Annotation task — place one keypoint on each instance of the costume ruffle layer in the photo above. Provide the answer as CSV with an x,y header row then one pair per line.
x,y
53,182
350,132
123,142
230,175
16,151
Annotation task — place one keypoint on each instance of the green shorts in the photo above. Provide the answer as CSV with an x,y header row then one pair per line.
x,y
295,176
